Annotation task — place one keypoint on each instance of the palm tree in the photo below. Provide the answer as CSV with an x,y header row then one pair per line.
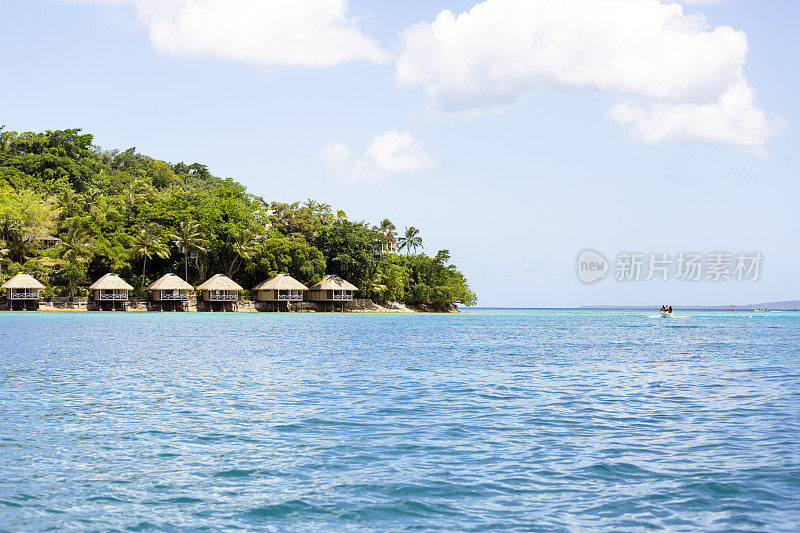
x,y
317,207
410,240
386,227
242,246
3,254
74,245
376,285
147,244
11,235
186,238
75,249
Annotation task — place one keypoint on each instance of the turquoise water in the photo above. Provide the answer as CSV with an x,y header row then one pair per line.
x,y
345,422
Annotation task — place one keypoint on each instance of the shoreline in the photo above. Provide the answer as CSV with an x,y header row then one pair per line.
x,y
249,306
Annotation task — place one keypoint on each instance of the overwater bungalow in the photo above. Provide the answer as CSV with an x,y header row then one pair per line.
x,y
277,293
22,293
218,293
109,293
170,293
332,290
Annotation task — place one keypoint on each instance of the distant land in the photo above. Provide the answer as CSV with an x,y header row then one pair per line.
x,y
787,305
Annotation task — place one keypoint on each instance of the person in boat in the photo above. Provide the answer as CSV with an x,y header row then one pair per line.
x,y
669,309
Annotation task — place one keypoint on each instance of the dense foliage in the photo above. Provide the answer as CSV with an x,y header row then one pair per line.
x,y
70,212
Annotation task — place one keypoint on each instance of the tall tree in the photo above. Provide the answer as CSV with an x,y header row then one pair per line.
x,y
387,227
243,245
74,273
286,254
349,251
188,237
148,243
75,245
411,240
4,251
26,218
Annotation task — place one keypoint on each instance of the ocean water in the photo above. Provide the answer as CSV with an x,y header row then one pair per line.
x,y
478,421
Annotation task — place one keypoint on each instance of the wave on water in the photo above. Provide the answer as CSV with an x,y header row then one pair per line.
x,y
487,422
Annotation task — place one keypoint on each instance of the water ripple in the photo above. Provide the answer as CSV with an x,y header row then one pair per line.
x,y
343,422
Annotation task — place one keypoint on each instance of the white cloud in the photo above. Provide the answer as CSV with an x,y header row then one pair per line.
x,y
666,62
390,154
315,33
732,119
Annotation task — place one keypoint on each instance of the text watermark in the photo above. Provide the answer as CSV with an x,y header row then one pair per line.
x,y
683,266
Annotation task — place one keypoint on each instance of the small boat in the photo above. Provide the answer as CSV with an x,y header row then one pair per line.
x,y
666,314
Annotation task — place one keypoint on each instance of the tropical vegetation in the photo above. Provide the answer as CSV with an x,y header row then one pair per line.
x,y
70,212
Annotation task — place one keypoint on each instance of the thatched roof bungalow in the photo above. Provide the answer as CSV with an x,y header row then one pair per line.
x,y
170,287
43,240
332,288
110,288
281,288
22,287
219,288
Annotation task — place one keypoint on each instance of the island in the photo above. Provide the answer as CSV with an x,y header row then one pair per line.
x,y
82,227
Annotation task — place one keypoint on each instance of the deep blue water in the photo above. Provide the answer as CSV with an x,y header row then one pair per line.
x,y
336,422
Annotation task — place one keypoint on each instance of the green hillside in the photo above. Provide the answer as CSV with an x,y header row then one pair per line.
x,y
141,217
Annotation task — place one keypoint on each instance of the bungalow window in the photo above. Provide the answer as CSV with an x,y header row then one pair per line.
x,y
25,294
174,294
113,294
290,294
223,295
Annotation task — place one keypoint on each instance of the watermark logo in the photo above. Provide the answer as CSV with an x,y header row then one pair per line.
x,y
684,266
592,266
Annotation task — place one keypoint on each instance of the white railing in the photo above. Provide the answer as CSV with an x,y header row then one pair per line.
x,y
225,297
171,296
111,296
342,296
24,295
290,296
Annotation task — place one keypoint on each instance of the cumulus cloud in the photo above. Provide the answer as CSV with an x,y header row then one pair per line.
x,y
390,154
663,63
315,33
732,118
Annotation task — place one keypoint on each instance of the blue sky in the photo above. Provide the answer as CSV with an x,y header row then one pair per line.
x,y
515,135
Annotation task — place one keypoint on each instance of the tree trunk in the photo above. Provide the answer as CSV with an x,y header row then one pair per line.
x,y
186,266
144,269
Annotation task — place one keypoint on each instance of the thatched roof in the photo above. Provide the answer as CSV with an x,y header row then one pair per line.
x,y
22,281
220,282
110,282
280,282
333,282
170,282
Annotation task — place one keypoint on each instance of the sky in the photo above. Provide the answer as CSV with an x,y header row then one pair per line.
x,y
515,133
